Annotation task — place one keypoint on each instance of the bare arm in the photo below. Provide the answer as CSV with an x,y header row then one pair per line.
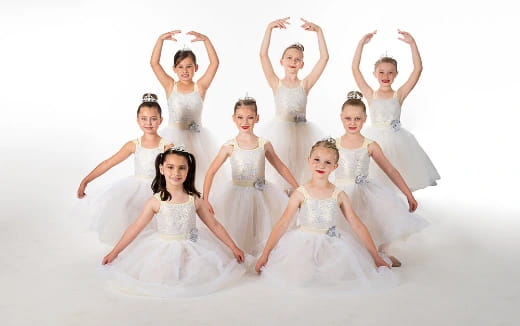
x,y
407,87
359,228
316,72
221,157
267,66
155,61
150,208
279,165
363,86
205,81
379,157
106,165
211,222
280,228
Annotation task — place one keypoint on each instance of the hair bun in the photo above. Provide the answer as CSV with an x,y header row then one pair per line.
x,y
149,97
354,95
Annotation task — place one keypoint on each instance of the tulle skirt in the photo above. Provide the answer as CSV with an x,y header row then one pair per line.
x,y
248,214
114,209
406,155
384,213
201,144
292,142
303,259
157,267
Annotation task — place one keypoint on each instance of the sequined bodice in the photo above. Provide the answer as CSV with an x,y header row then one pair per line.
x,y
290,102
184,108
353,163
175,219
247,164
384,110
318,213
144,158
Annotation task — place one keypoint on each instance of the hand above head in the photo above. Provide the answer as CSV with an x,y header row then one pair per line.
x,y
367,37
260,263
309,26
279,23
412,203
81,190
197,36
169,35
406,37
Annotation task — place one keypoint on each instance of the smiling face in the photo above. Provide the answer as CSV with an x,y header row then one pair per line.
x,y
353,118
185,69
385,73
245,118
174,169
323,161
292,60
149,119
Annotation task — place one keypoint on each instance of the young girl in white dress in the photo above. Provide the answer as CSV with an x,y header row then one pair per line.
x,y
290,131
113,210
379,207
185,99
399,145
248,204
174,260
317,253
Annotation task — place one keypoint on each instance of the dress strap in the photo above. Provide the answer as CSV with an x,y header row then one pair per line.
x,y
303,191
136,141
367,142
374,94
175,86
262,142
158,196
395,94
196,88
335,193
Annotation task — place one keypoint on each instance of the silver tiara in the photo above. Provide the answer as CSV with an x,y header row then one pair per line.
x,y
179,148
297,45
329,140
247,98
354,95
149,98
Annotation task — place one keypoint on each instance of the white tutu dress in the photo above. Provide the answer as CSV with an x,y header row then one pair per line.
x,y
399,146
380,208
247,206
185,128
113,210
317,255
291,134
175,260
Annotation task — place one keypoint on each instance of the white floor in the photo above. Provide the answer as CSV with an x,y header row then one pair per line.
x,y
463,270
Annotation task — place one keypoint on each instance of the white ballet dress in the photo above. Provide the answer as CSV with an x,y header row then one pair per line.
x,y
185,128
248,205
318,254
291,134
175,260
399,146
380,208
114,209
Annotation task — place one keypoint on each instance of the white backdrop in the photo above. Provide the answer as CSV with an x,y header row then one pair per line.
x,y
72,74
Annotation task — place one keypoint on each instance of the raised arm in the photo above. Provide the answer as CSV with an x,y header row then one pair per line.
x,y
221,157
359,228
150,208
106,165
267,66
206,79
155,61
211,222
280,228
379,157
316,72
363,86
275,161
407,87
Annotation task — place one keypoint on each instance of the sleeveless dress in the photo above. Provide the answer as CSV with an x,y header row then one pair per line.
x,y
185,128
291,134
114,209
317,254
248,205
399,146
175,260
380,208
